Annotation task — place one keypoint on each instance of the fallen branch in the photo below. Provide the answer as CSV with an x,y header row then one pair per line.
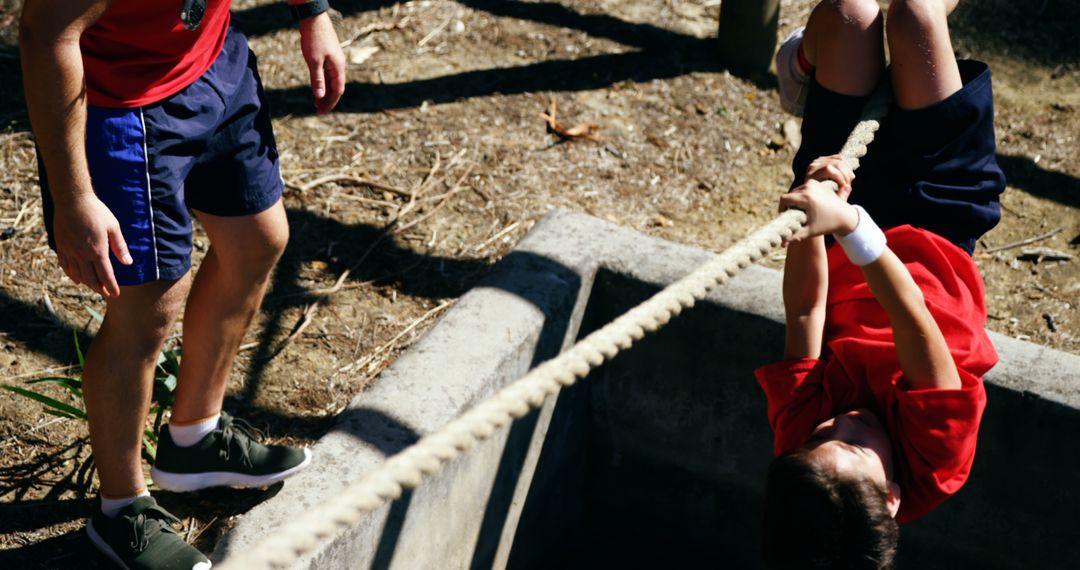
x,y
1026,241
346,178
375,27
42,372
1041,254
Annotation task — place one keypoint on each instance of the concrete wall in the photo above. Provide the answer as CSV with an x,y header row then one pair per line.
x,y
658,456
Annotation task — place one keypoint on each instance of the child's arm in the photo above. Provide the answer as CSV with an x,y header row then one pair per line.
x,y
806,274
806,282
924,356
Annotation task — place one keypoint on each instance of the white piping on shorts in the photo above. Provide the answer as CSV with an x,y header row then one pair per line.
x,y
149,198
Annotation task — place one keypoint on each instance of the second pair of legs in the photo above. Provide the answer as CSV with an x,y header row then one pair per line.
x,y
221,301
843,41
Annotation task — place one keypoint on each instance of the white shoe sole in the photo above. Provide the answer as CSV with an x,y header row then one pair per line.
x,y
184,482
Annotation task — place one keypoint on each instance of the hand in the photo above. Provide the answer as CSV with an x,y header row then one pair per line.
x,y
85,232
325,61
833,168
826,211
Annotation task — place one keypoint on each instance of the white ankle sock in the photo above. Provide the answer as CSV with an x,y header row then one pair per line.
x,y
190,434
110,507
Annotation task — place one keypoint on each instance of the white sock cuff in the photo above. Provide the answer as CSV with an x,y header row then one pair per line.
x,y
110,507
866,244
190,434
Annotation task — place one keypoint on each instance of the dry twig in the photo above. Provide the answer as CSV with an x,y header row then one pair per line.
x,y
375,27
346,178
1026,241
390,343
496,237
392,228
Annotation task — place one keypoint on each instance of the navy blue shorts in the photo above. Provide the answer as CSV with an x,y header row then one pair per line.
x,y
933,168
208,148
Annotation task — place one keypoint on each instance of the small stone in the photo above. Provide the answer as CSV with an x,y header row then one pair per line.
x,y
661,221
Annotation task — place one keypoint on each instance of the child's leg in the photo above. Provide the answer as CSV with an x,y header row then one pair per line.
x,y
923,66
842,41
933,165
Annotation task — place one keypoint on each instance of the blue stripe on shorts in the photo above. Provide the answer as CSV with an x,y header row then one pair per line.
x,y
116,153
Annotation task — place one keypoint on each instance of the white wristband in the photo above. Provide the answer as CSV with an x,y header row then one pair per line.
x,y
864,245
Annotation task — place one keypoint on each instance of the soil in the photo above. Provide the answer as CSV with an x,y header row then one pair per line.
x,y
447,105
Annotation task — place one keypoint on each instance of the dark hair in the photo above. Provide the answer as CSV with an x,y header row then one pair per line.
x,y
817,519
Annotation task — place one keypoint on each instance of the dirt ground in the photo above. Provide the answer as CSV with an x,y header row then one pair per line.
x,y
444,103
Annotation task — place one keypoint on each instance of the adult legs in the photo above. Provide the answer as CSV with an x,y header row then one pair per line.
x,y
118,378
226,293
843,41
923,65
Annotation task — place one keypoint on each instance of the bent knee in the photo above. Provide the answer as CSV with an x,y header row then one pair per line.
x,y
145,314
260,255
271,244
859,14
255,245
915,18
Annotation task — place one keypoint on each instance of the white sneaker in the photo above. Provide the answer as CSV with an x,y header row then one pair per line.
x,y
793,82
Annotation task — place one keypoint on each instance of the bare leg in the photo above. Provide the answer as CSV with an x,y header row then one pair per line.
x,y
118,378
923,69
227,292
843,40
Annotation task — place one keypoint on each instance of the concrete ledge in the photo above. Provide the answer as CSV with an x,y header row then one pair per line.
x,y
670,435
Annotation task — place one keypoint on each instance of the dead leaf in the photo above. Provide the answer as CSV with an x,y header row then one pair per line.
x,y
586,131
657,142
360,54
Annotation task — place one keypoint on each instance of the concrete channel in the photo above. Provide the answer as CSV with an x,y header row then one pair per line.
x,y
657,458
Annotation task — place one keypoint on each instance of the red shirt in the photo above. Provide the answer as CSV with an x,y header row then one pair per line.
x,y
139,53
933,432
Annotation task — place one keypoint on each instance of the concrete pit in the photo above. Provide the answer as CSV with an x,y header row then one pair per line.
x,y
657,458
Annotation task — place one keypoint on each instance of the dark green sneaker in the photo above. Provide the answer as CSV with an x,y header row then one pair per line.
x,y
226,457
141,537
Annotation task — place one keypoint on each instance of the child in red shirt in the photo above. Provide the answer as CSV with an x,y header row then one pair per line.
x,y
876,405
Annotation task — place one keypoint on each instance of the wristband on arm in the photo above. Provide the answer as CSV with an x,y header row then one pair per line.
x,y
308,9
866,243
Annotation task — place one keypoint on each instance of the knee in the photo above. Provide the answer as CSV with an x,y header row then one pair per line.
x,y
913,19
144,315
261,252
859,14
271,246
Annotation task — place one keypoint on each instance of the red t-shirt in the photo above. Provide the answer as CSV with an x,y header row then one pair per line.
x,y
139,53
933,432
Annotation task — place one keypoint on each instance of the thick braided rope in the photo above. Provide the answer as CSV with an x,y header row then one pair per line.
x,y
408,468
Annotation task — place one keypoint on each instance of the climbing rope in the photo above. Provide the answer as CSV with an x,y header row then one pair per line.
x,y
427,456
